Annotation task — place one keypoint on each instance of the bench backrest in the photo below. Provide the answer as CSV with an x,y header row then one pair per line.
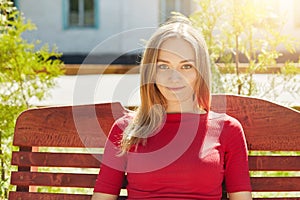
x,y
60,147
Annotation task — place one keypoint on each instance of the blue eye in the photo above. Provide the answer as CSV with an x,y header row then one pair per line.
x,y
163,66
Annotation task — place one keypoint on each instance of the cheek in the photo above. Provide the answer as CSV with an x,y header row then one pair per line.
x,y
159,81
191,78
161,78
158,78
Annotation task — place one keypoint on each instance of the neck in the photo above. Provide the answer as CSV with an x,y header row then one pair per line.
x,y
184,107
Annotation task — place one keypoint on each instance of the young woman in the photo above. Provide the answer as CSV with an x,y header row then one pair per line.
x,y
173,146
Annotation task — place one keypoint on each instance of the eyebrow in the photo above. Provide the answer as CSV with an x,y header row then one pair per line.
x,y
183,61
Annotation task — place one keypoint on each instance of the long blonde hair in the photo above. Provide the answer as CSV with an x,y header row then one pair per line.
x,y
151,113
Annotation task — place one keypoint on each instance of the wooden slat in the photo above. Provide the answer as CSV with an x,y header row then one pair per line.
x,y
69,126
46,196
53,179
266,124
42,159
274,163
50,196
259,184
24,179
275,184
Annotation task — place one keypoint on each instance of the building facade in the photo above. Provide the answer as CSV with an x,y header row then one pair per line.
x,y
115,30
108,29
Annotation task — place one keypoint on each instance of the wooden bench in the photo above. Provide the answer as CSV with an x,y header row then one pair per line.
x,y
69,139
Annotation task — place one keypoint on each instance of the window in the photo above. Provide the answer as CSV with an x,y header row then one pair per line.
x,y
168,6
80,13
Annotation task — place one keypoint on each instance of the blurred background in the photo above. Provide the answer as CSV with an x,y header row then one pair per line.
x,y
76,27
92,34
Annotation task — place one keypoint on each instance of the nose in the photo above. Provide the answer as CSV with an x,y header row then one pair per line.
x,y
175,75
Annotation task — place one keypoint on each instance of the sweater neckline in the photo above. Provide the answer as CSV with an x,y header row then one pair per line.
x,y
185,116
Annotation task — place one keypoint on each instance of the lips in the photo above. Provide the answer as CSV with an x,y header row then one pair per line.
x,y
176,88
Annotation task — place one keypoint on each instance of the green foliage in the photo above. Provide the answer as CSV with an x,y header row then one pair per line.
x,y
209,24
26,73
241,27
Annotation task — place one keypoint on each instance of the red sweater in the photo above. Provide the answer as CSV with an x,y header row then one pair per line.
x,y
188,158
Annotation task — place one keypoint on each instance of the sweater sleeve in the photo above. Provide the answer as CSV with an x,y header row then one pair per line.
x,y
111,174
236,158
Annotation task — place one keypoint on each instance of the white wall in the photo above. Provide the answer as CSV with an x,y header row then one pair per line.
x,y
115,17
122,25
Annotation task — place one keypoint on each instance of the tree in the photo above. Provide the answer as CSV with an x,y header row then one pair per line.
x,y
242,28
206,18
26,73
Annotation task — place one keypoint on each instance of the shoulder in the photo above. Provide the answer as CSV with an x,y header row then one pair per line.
x,y
229,127
223,119
118,127
124,121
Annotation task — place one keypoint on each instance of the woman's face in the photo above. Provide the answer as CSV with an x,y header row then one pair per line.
x,y
176,72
